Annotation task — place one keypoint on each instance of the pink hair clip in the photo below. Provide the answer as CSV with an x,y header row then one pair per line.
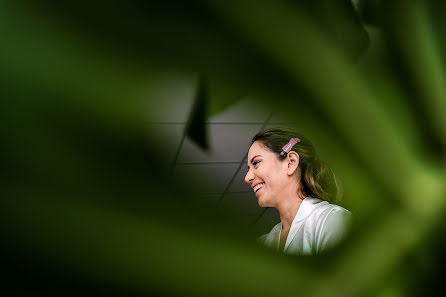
x,y
287,147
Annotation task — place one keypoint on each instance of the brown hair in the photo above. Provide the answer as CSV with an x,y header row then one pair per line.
x,y
317,177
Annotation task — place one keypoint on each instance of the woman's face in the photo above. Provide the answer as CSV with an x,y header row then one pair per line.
x,y
266,174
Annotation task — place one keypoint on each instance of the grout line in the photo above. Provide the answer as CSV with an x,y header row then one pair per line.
x,y
219,193
263,212
207,123
167,123
232,179
260,215
233,123
203,163
242,163
240,192
177,153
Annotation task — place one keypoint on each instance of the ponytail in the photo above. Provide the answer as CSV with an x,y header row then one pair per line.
x,y
320,181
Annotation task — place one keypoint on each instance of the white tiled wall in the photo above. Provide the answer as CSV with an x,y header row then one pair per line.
x,y
216,176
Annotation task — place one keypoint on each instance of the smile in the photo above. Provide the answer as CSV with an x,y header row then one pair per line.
x,y
258,187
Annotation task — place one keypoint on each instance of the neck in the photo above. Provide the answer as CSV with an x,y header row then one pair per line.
x,y
288,210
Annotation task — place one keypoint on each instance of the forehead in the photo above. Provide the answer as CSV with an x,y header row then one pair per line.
x,y
257,148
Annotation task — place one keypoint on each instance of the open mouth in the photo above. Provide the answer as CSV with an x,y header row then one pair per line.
x,y
258,187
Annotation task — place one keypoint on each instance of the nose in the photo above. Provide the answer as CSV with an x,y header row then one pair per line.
x,y
249,177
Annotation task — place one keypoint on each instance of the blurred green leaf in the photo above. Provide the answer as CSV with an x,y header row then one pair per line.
x,y
85,189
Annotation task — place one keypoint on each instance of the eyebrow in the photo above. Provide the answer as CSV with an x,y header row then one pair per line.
x,y
252,159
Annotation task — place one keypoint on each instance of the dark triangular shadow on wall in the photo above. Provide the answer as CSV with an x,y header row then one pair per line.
x,y
196,128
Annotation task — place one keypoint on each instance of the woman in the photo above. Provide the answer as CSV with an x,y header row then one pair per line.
x,y
286,174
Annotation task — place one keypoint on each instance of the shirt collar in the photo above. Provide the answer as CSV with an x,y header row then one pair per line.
x,y
306,208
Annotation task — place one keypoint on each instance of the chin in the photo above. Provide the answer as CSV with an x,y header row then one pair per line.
x,y
262,203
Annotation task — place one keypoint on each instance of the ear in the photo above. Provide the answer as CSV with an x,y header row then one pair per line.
x,y
292,162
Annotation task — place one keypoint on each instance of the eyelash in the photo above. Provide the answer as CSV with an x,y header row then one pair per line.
x,y
254,164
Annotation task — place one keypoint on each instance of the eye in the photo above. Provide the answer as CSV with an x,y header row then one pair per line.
x,y
255,163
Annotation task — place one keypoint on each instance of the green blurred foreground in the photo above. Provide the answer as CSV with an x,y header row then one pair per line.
x,y
87,207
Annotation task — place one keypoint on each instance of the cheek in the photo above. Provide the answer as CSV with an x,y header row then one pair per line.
x,y
270,178
271,174
276,178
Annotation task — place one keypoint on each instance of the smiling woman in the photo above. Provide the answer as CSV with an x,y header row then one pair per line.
x,y
285,173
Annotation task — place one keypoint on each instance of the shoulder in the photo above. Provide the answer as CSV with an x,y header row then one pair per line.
x,y
333,221
321,210
270,237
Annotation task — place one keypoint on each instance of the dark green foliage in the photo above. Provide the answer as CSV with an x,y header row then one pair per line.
x,y
88,205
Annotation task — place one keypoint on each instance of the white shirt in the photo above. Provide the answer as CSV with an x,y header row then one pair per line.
x,y
317,225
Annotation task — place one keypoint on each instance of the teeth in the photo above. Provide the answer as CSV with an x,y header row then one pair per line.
x,y
256,188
